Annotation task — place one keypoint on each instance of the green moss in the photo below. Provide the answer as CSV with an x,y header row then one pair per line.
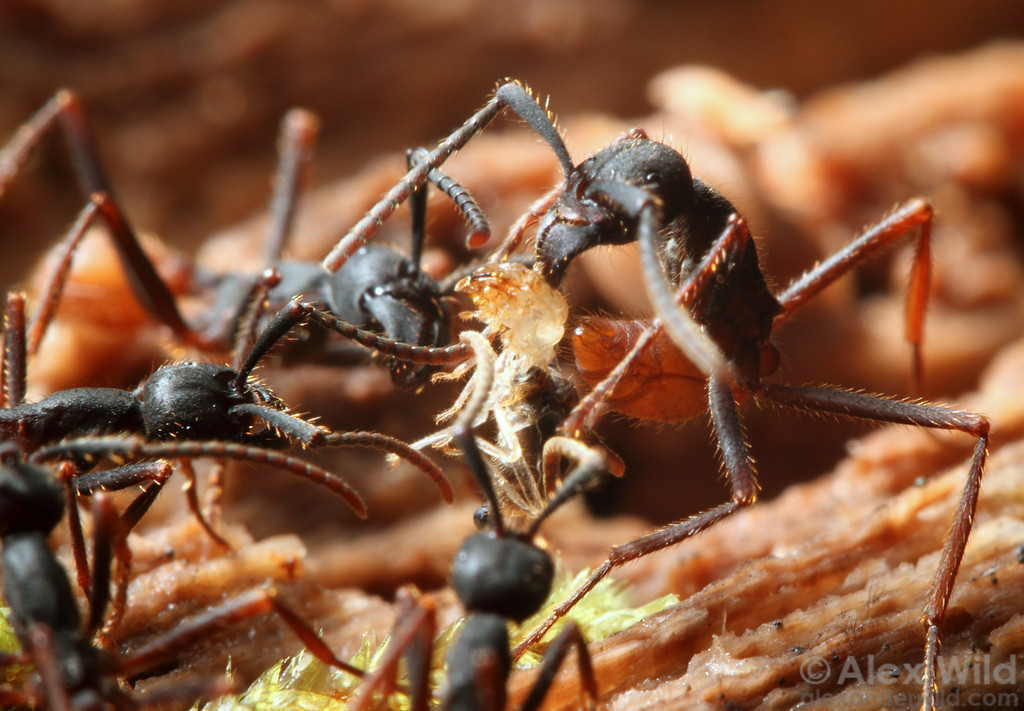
x,y
304,683
14,675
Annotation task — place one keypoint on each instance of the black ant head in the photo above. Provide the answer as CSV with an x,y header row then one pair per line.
x,y
503,575
409,310
588,213
192,401
30,497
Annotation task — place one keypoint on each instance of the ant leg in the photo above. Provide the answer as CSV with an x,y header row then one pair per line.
x,y
14,364
248,323
67,107
192,498
396,447
553,659
150,289
299,130
413,636
43,648
142,503
479,228
878,409
109,542
907,217
245,607
679,323
50,294
65,474
530,218
132,448
511,95
742,482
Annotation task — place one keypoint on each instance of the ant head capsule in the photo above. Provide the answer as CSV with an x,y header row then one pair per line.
x,y
502,574
191,400
584,215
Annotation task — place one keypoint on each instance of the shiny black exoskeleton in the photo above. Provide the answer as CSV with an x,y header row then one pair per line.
x,y
384,291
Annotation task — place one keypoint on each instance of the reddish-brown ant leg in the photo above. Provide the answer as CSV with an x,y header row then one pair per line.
x,y
912,214
530,218
569,637
510,95
92,180
192,498
299,130
109,538
249,605
51,291
852,404
249,324
14,360
412,636
65,473
67,107
742,482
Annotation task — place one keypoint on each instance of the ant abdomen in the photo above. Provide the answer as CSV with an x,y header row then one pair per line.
x,y
662,385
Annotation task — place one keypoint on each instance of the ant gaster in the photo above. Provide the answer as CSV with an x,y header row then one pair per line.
x,y
383,290
72,672
697,254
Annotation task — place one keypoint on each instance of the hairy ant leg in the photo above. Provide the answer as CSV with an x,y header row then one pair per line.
x,y
65,109
752,357
74,673
510,95
901,222
878,409
14,364
299,130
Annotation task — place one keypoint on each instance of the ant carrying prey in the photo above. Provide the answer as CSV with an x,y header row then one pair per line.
x,y
714,306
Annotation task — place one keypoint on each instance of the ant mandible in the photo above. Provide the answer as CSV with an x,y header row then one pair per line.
x,y
73,672
382,290
697,254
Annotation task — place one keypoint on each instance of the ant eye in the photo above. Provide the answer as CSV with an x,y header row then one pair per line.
x,y
482,518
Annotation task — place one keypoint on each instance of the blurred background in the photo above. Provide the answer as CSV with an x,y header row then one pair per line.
x,y
185,96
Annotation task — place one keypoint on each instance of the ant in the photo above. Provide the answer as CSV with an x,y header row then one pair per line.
x,y
74,672
721,316
500,575
382,290
180,401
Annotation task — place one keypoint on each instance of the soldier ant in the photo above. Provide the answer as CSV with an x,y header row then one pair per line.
x,y
694,241
73,672
382,290
500,575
